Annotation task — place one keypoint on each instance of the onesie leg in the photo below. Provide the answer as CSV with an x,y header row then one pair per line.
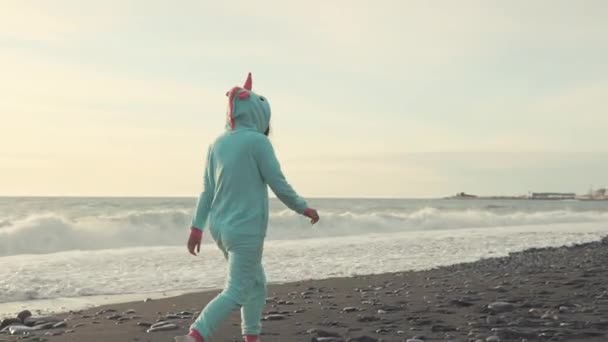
x,y
251,312
244,260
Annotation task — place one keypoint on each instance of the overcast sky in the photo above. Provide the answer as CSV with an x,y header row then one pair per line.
x,y
370,98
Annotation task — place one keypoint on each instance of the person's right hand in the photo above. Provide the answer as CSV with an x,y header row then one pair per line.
x,y
312,215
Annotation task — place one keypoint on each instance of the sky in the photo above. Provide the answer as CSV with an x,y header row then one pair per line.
x,y
369,98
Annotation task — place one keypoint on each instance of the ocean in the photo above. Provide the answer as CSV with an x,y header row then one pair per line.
x,y
60,254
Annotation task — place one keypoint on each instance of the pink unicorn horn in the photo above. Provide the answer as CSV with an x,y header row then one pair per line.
x,y
248,83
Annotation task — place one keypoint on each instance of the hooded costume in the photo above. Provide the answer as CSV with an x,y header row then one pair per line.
x,y
240,166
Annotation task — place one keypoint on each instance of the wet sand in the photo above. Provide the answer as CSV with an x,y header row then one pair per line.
x,y
552,294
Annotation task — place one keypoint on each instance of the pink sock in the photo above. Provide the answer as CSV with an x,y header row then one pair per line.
x,y
251,338
197,336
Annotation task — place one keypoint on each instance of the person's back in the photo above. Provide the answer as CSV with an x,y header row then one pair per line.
x,y
236,174
240,165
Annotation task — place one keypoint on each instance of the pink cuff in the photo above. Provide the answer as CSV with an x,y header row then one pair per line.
x,y
197,336
196,233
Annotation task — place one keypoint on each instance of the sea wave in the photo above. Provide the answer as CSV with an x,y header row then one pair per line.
x,y
53,232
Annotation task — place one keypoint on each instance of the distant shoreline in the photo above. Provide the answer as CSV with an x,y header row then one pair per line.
x,y
598,196
513,198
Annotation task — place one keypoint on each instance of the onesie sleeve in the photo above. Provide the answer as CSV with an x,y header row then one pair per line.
x,y
270,169
205,199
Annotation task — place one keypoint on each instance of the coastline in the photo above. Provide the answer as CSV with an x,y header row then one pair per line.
x,y
538,294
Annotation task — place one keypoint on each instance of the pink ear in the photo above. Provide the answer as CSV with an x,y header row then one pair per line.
x,y
243,94
248,83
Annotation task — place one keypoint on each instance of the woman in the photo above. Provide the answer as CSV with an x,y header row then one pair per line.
x,y
240,166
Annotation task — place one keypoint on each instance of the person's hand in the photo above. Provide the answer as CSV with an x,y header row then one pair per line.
x,y
194,241
312,215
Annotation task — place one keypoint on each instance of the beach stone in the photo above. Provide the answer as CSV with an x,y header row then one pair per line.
x,y
147,300
492,320
365,318
322,333
275,317
130,312
53,333
161,323
501,307
23,315
31,321
414,340
44,326
61,324
165,327
114,317
20,329
327,339
363,338
9,321
104,311
550,315
460,303
512,333
144,324
350,309
492,339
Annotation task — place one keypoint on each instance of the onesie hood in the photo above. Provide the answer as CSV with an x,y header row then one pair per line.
x,y
247,109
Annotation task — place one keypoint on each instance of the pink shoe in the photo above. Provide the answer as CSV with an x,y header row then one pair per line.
x,y
193,336
186,338
252,338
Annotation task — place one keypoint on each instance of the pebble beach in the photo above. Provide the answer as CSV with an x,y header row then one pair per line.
x,y
546,294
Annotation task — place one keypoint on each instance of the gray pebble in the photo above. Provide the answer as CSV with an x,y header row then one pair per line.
x,y
363,338
23,315
61,324
501,307
165,327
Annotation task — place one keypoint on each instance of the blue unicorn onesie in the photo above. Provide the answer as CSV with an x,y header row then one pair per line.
x,y
240,166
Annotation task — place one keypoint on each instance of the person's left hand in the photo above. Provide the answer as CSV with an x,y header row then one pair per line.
x,y
194,241
312,215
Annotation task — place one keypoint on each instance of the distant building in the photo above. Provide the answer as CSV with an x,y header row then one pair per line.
x,y
464,195
599,193
552,195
